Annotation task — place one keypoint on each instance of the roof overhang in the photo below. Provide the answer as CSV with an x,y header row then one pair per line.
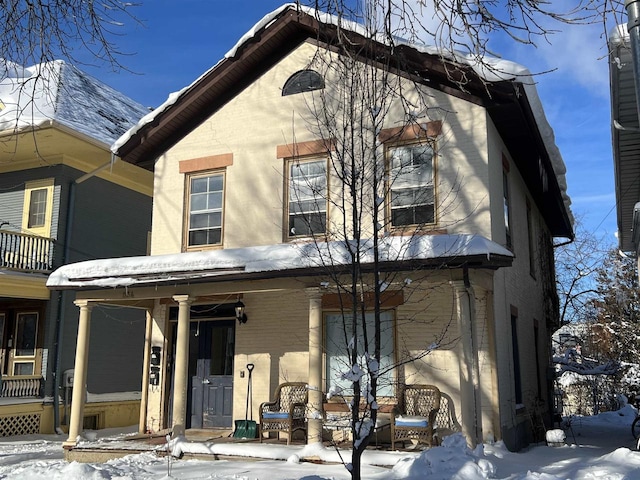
x,y
625,134
281,261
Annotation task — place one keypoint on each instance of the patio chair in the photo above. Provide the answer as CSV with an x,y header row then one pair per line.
x,y
446,419
286,413
415,415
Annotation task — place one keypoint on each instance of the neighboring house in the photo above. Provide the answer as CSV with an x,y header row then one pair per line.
x,y
63,199
625,133
480,268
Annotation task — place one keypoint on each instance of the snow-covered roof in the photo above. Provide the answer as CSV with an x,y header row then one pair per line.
x,y
58,92
121,272
488,68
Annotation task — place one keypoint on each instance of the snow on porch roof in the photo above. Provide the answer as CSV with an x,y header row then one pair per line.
x,y
276,260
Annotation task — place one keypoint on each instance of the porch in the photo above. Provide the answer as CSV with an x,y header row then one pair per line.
x,y
26,253
219,444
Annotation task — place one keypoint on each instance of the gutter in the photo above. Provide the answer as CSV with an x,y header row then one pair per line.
x,y
633,27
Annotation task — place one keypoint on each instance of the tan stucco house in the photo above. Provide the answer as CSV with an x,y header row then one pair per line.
x,y
471,302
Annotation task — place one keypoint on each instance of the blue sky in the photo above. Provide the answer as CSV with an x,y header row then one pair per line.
x,y
180,39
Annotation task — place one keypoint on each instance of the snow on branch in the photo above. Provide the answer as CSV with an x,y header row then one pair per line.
x,y
573,361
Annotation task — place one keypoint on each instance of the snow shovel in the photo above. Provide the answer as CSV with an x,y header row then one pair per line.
x,y
247,428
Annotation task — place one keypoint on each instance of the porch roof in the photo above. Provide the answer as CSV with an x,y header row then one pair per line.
x,y
282,260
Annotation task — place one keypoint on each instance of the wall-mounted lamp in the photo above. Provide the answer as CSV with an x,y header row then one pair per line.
x,y
240,315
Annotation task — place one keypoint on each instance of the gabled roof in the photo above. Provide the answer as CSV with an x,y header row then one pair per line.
x,y
57,92
506,89
625,134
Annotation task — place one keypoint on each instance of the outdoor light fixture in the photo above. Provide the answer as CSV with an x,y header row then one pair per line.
x,y
240,315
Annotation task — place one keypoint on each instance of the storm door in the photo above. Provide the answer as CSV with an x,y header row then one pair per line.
x,y
211,351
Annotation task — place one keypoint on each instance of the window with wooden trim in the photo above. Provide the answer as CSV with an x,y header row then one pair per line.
x,y
531,235
338,328
38,207
515,357
411,184
303,81
506,209
306,197
205,209
26,332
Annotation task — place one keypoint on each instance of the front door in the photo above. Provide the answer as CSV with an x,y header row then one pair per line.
x,y
211,352
20,339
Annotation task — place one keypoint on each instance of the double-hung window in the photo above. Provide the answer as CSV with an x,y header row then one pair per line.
x,y
37,212
307,197
206,208
338,340
411,185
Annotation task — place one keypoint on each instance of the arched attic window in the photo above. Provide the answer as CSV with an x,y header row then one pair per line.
x,y
303,81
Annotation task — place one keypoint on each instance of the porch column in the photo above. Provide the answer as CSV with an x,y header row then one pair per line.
x,y
314,407
180,381
80,373
146,364
470,404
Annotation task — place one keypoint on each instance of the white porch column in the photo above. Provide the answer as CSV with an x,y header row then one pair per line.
x,y
144,400
181,374
470,404
314,407
80,373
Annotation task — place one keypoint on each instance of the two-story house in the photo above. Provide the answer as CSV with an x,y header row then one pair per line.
x,y
63,199
254,208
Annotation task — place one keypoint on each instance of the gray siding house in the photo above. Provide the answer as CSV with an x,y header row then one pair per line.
x,y
63,200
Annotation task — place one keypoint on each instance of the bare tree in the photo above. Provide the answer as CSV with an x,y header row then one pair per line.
x,y
468,30
78,31
366,200
577,264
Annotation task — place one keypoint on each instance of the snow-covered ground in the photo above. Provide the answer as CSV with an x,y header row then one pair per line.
x,y
599,447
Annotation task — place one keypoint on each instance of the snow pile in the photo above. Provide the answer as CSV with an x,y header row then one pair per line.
x,y
555,436
453,460
59,92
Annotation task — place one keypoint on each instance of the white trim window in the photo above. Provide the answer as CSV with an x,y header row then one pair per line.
x,y
411,185
307,198
206,205
338,330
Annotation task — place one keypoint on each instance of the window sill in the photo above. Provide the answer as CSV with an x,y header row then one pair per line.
x,y
415,230
201,248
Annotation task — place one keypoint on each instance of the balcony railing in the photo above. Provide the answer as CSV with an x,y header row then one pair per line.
x,y
24,252
22,386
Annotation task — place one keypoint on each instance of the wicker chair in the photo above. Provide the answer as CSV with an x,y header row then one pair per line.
x,y
415,415
287,412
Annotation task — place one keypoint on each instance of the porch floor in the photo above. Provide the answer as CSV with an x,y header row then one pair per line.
x,y
209,444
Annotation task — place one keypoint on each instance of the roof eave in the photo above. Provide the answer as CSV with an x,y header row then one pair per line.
x,y
488,261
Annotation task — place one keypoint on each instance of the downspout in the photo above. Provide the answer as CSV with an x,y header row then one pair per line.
x,y
60,319
633,27
62,295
